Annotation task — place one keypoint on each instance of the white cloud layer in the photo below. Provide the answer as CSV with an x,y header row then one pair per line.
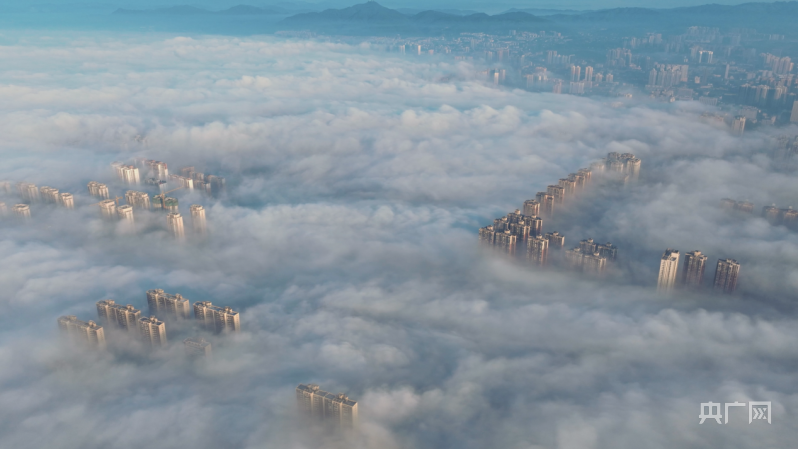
x,y
347,239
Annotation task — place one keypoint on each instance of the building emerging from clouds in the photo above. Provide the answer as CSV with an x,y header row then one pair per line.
x,y
668,266
537,250
138,200
29,192
67,200
129,174
22,211
83,331
108,209
99,190
153,331
197,347
198,219
125,213
174,222
335,409
693,269
216,319
168,305
117,315
49,194
726,275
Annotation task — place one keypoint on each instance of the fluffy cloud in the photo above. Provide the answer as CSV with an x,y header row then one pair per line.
x,y
347,239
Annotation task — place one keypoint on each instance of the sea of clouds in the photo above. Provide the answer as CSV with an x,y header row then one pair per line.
x,y
347,239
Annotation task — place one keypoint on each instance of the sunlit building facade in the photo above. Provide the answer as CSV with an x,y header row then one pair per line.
x,y
168,305
668,266
335,409
217,319
87,332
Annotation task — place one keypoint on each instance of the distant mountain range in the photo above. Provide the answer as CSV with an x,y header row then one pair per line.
x,y
185,10
373,18
373,12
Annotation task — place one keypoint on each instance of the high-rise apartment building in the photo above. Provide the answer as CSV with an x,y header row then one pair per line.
x,y
598,166
578,180
29,192
607,251
556,241
198,219
5,187
546,203
588,246
335,409
215,318
615,166
157,169
568,185
625,163
632,166
217,183
585,173
67,200
728,204
22,211
535,226
668,266
108,209
183,181
745,207
576,72
505,241
738,126
537,250
789,218
794,114
168,305
174,222
574,258
487,235
726,275
83,331
693,269
117,315
129,174
138,200
531,208
197,347
3,209
170,205
594,263
97,189
197,177
772,214
152,331
49,194
125,213
557,192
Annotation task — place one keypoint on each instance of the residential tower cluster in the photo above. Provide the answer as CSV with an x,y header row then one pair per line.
x,y
150,329
693,267
523,228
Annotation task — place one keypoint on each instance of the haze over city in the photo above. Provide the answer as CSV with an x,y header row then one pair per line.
x,y
398,225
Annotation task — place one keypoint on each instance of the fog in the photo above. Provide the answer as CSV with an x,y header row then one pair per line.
x,y
347,239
